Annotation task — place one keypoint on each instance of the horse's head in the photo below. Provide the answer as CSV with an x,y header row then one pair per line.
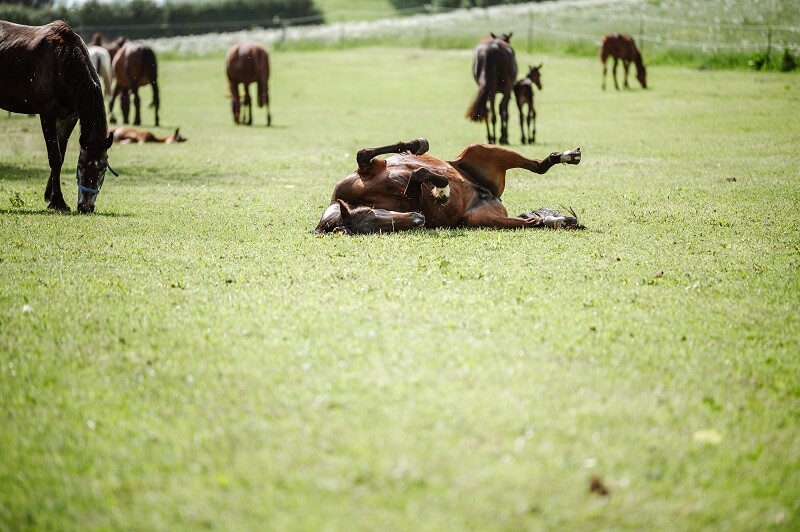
x,y
340,218
175,137
535,75
641,74
92,166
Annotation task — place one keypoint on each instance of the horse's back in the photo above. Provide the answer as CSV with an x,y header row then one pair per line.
x,y
618,45
135,63
247,62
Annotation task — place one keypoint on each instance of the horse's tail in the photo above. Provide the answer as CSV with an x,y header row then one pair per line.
x,y
262,84
150,67
487,86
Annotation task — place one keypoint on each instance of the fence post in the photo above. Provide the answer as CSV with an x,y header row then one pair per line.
x,y
530,31
769,47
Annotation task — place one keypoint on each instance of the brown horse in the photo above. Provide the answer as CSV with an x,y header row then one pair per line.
x,y
523,90
246,63
622,47
46,70
134,66
411,190
494,68
127,135
113,48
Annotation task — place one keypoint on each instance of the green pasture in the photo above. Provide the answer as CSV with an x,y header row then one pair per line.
x,y
191,356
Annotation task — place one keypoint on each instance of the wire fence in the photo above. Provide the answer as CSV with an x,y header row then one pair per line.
x,y
567,21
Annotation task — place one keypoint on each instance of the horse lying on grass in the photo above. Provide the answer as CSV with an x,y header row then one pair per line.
x,y
127,135
411,190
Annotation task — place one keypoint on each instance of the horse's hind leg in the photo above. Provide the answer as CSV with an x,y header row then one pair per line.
x,y
487,165
626,65
137,115
111,118
532,124
248,106
156,100
364,157
504,118
614,72
441,186
520,106
125,105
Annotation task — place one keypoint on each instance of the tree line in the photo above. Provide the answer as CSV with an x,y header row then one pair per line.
x,y
145,18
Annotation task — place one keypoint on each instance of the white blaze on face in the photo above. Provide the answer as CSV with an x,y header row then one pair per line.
x,y
441,192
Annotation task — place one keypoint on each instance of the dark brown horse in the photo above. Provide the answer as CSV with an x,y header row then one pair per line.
x,y
46,71
246,63
411,190
523,90
134,66
622,47
494,68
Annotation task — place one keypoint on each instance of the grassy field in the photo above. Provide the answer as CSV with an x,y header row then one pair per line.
x,y
191,356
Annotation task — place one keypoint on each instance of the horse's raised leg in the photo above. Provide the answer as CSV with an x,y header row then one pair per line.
x,y
137,115
56,134
488,164
441,186
364,157
504,117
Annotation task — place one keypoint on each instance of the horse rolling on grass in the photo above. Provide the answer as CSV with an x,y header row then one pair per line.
x,y
494,68
128,135
246,63
134,66
622,47
47,71
412,189
523,91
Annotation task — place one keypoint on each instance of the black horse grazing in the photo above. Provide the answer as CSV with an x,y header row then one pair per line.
x,y
494,68
47,70
413,189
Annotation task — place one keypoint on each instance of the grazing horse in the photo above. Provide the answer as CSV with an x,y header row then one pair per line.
x,y
246,63
523,90
47,71
134,66
494,68
622,47
101,61
411,190
127,135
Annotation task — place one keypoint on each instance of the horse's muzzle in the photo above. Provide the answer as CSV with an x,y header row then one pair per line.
x,y
85,208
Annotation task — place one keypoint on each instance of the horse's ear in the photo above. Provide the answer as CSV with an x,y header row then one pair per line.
x,y
493,35
109,140
540,66
344,210
177,130
510,35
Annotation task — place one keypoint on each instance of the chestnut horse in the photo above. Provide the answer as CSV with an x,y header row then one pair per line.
x,y
127,135
246,63
411,190
494,68
622,47
47,71
134,66
523,90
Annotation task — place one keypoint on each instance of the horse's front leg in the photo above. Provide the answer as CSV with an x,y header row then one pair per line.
x,y
521,119
441,186
626,65
111,118
156,100
504,117
364,157
614,71
236,105
53,131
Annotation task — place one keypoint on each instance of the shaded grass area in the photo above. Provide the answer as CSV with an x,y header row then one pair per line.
x,y
192,356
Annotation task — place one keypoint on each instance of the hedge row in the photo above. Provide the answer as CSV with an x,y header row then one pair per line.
x,y
145,18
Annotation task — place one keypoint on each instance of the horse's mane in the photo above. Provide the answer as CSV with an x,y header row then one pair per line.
x,y
83,85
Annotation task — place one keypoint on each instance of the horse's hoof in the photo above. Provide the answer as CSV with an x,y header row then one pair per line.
x,y
422,146
61,207
571,156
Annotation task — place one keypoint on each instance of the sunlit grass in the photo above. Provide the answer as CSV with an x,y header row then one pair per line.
x,y
192,356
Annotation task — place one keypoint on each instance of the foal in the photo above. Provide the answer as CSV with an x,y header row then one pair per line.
x,y
523,90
